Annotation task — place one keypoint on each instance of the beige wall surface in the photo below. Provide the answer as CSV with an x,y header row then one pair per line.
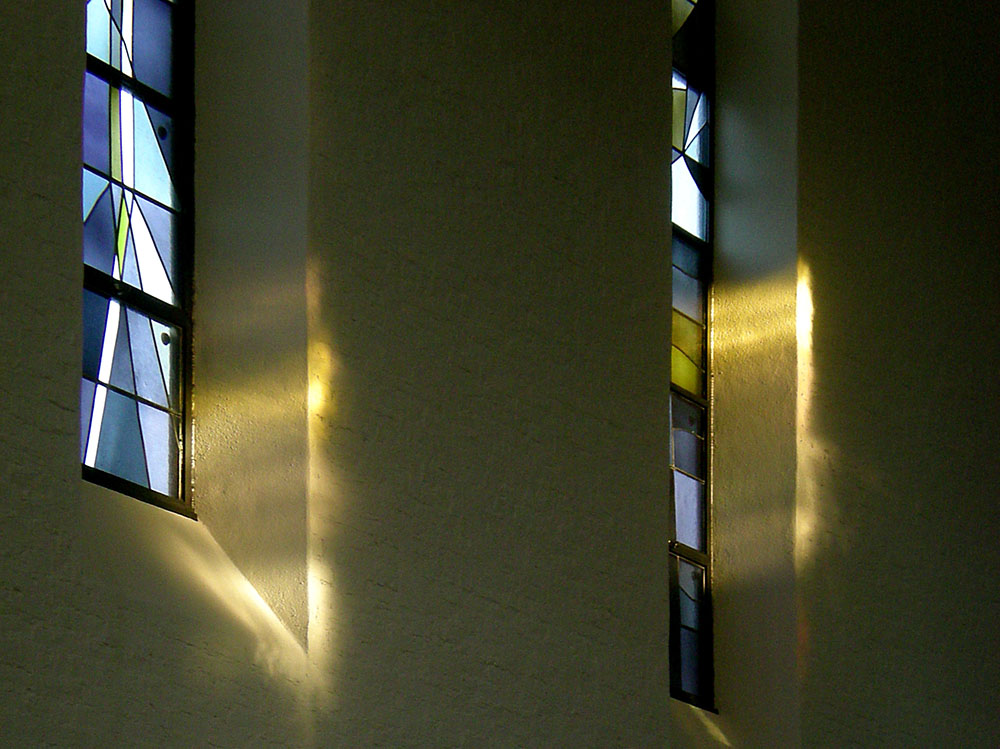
x,y
898,227
451,532
488,281
430,387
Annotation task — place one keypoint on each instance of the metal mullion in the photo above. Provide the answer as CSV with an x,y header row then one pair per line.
x,y
680,470
683,392
117,79
138,491
134,396
101,283
182,58
94,170
690,554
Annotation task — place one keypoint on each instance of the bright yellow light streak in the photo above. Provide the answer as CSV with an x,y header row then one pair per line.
x,y
805,509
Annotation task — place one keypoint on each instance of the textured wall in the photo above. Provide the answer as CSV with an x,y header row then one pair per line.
x,y
899,229
489,272
754,384
482,517
251,182
120,624
474,494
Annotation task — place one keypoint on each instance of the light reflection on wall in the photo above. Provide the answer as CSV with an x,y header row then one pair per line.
x,y
805,505
753,344
186,551
322,493
278,651
696,722
810,455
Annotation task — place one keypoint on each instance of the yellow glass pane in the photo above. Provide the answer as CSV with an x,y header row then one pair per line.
x,y
680,105
681,10
122,236
116,134
684,373
687,336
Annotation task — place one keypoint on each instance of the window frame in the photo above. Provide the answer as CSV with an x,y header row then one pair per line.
x,y
693,58
179,106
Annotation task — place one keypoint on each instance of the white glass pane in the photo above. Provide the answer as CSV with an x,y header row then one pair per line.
x,y
151,270
689,506
98,30
152,177
689,209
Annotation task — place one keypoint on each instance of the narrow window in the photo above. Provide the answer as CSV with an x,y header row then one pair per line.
x,y
691,670
136,250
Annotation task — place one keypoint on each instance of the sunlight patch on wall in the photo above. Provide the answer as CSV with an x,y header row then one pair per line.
x,y
188,548
693,721
323,498
753,350
805,511
767,325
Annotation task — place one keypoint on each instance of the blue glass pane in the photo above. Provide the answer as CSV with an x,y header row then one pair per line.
x,y
690,661
151,42
690,104
698,148
145,360
153,275
686,257
96,123
160,445
162,228
687,452
98,30
690,578
688,295
93,187
95,316
116,33
686,415
689,209
689,505
168,340
152,154
163,127
86,408
119,450
121,365
99,235
130,271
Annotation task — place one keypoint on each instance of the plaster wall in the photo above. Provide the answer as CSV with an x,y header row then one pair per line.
x,y
460,379
754,384
120,624
898,560
250,384
475,492
489,284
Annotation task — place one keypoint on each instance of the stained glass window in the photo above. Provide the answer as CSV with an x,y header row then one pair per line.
x,y
690,414
136,224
